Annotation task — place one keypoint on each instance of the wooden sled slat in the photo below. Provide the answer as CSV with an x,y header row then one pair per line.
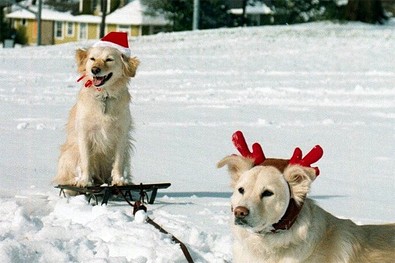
x,y
107,191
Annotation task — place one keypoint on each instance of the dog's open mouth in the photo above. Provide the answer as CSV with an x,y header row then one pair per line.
x,y
101,80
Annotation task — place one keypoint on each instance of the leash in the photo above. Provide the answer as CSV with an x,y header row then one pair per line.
x,y
173,238
139,205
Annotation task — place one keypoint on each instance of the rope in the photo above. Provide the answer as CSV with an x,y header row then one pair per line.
x,y
139,205
173,238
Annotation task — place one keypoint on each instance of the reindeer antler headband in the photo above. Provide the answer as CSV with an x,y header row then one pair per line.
x,y
258,156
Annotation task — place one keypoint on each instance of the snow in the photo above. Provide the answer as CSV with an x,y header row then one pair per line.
x,y
284,86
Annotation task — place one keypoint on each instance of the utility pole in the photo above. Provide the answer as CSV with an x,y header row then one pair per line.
x,y
40,7
103,17
244,18
196,8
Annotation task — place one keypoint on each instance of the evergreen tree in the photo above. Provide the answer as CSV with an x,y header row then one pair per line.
x,y
5,28
369,11
212,13
63,5
298,11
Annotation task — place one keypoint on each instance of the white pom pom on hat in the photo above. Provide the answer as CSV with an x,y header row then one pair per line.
x,y
117,40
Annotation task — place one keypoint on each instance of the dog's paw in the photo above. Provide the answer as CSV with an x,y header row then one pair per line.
x,y
119,181
83,182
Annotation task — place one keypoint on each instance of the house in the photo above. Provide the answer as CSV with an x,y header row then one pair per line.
x,y
61,27
258,13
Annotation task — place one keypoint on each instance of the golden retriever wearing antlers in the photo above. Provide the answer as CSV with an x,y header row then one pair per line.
x,y
274,222
98,144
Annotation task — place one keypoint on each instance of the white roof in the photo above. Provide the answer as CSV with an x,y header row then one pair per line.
x,y
48,14
257,9
134,14
131,14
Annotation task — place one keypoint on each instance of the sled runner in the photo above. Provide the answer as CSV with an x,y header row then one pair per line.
x,y
106,191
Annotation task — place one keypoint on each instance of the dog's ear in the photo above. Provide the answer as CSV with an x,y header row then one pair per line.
x,y
236,166
130,65
81,56
299,179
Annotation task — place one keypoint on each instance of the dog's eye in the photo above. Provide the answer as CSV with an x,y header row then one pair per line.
x,y
109,60
241,190
266,193
92,58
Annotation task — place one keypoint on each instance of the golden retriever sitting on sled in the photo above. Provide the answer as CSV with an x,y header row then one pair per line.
x,y
274,222
98,144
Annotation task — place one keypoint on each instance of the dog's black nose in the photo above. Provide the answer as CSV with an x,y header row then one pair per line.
x,y
241,212
95,70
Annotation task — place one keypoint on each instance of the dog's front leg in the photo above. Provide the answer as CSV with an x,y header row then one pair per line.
x,y
83,179
121,164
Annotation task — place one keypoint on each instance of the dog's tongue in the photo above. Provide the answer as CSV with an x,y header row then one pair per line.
x,y
97,81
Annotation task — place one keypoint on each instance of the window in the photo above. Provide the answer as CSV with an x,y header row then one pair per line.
x,y
59,29
83,31
70,29
124,28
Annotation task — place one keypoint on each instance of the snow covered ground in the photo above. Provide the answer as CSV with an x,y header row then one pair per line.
x,y
284,86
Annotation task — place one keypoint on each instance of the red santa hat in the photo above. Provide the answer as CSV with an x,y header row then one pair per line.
x,y
117,40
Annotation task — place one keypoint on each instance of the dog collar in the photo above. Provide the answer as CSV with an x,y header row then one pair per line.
x,y
290,216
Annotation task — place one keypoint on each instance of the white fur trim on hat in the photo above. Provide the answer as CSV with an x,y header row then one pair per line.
x,y
117,40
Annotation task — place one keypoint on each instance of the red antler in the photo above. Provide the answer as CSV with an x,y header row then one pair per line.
x,y
241,145
313,156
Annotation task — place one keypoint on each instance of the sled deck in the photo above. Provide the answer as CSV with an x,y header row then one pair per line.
x,y
107,191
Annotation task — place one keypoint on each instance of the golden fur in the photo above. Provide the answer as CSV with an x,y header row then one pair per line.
x,y
98,145
316,236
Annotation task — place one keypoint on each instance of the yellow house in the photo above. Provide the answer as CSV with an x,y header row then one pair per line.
x,y
59,27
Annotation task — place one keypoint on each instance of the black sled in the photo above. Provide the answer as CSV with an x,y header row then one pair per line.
x,y
106,192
